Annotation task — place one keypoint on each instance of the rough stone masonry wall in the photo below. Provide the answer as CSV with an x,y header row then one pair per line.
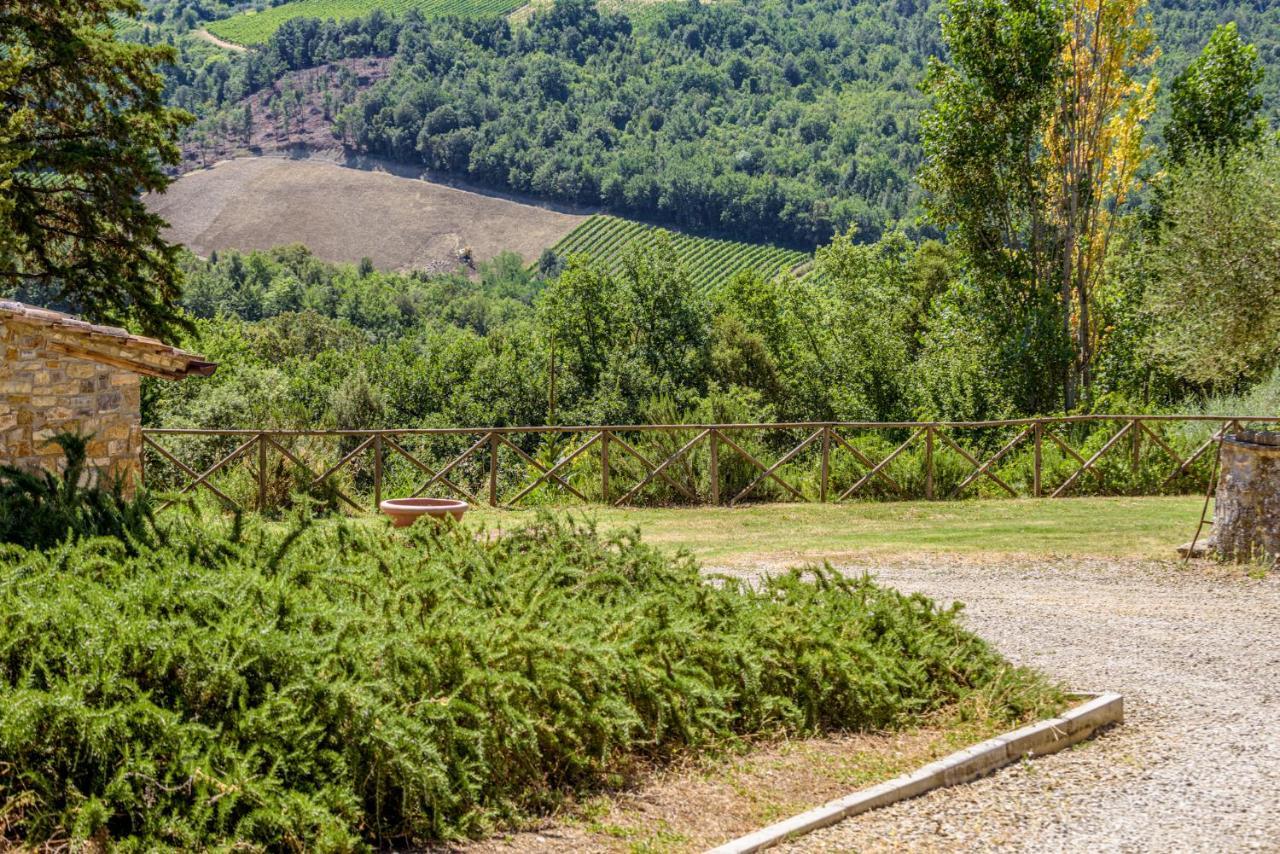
x,y
43,393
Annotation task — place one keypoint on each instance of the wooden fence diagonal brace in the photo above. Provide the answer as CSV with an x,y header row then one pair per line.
x,y
749,458
981,470
1199,452
200,480
1057,493
685,448
562,462
1159,440
649,467
437,476
788,457
314,480
346,459
434,477
869,463
866,478
1067,449
539,466
203,479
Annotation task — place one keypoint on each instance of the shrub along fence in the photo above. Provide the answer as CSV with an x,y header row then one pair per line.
x,y
718,464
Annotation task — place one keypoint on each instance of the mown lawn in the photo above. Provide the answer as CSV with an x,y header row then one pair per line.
x,y
1136,528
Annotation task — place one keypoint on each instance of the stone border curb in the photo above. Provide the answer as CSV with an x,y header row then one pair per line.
x,y
1038,739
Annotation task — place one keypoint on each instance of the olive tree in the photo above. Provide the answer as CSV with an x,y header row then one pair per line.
x,y
1213,294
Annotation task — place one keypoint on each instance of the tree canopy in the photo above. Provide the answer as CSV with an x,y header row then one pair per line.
x,y
1214,291
84,132
1215,101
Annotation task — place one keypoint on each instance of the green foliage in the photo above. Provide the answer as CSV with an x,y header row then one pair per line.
x,y
40,510
710,262
84,132
1215,101
344,686
580,312
1214,271
256,27
985,172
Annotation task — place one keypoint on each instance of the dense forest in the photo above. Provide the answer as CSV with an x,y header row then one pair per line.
x,y
1046,288
767,120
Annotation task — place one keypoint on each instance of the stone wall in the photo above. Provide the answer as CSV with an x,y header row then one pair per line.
x,y
43,393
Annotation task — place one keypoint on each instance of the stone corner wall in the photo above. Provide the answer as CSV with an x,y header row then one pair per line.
x,y
43,393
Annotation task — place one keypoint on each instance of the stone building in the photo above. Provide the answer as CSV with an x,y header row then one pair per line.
x,y
61,374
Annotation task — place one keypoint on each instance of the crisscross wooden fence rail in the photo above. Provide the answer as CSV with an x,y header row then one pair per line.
x,y
490,454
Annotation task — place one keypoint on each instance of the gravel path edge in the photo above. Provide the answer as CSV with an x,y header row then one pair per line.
x,y
1096,712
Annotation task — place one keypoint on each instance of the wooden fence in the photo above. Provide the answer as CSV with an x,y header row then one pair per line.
x,y
491,452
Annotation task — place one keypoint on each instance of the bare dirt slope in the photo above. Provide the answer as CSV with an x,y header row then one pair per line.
x,y
294,114
344,214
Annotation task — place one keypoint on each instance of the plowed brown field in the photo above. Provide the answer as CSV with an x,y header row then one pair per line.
x,y
344,214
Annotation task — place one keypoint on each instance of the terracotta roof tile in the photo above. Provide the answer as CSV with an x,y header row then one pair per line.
x,y
123,349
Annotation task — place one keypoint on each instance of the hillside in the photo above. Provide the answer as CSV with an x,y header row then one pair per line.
x,y
344,214
771,121
294,113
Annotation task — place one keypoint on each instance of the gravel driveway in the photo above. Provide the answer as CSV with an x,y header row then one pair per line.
x,y
1196,766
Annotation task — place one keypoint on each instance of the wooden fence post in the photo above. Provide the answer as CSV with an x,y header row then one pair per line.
x,y
714,472
1037,488
493,469
826,462
604,466
928,462
262,472
377,472
1136,430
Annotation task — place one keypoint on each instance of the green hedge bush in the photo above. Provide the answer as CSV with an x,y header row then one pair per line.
x,y
342,685
41,509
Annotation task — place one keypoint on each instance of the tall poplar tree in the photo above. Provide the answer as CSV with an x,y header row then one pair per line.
x,y
1094,143
1034,142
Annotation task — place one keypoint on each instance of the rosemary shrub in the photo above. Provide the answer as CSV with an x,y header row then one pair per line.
x,y
340,685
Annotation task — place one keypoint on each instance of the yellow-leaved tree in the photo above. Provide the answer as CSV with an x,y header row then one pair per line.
x,y
1095,148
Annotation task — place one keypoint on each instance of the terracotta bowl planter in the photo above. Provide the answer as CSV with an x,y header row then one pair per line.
x,y
405,511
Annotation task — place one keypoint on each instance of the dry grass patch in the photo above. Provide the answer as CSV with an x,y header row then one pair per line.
x,y
708,801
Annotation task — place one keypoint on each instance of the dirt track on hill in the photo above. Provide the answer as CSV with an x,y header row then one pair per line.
x,y
222,43
1195,767
344,214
